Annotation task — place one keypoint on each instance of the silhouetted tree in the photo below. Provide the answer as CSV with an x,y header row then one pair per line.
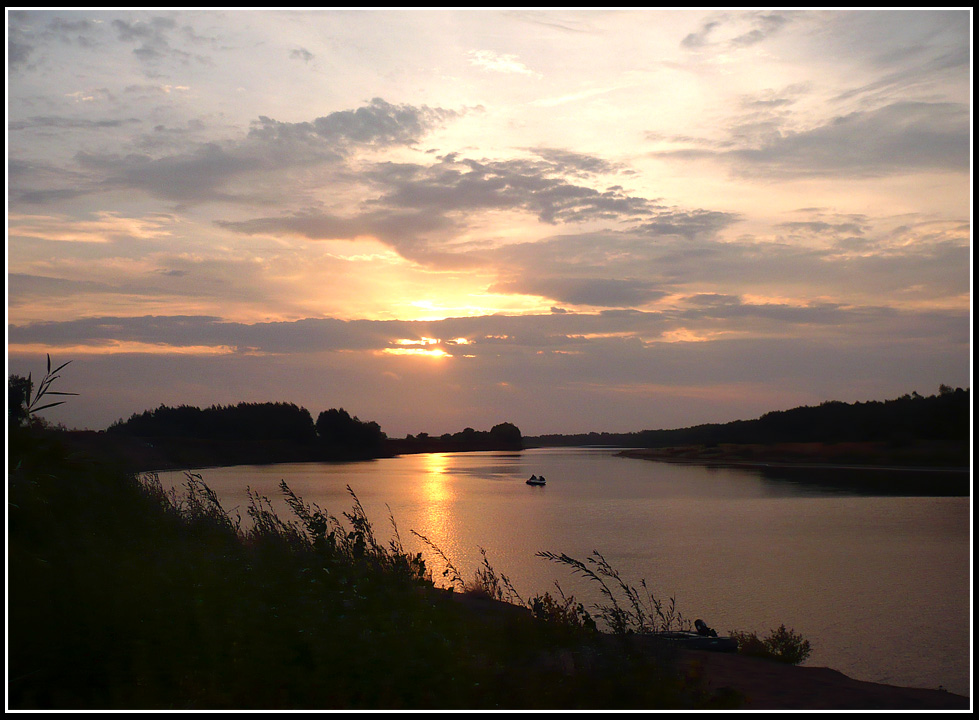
x,y
341,435
18,397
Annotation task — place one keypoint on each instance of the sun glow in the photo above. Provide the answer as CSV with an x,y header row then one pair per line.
x,y
424,347
437,353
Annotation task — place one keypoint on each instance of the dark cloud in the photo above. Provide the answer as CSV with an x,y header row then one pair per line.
x,y
72,29
191,177
38,183
404,230
70,123
18,53
379,123
575,163
152,36
536,185
163,137
208,170
301,54
21,39
699,38
688,224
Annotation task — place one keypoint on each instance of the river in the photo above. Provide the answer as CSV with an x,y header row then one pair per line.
x,y
880,585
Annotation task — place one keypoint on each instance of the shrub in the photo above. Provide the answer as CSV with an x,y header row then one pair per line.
x,y
566,611
783,645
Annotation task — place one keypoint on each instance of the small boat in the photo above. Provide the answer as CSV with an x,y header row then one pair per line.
x,y
534,480
705,638
695,641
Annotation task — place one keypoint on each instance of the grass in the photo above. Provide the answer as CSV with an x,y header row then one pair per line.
x,y
627,608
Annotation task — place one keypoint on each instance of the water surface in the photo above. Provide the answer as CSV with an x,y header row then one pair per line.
x,y
879,585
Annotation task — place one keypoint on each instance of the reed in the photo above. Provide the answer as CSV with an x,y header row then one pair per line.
x,y
627,608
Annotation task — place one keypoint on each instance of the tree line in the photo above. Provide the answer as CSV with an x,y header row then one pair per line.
x,y
910,418
335,433
504,436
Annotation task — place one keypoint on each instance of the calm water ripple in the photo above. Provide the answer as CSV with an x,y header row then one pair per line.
x,y
880,585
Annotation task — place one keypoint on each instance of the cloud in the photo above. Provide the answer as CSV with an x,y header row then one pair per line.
x,y
495,62
922,72
852,259
699,38
575,163
39,183
766,24
21,39
207,171
420,209
195,176
404,230
535,185
379,124
107,227
689,224
301,54
488,336
152,35
737,30
897,138
70,123
595,292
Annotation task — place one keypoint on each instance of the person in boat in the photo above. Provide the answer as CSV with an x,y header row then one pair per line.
x,y
533,478
703,630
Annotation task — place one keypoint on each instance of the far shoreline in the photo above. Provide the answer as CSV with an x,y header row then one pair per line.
x,y
662,455
772,464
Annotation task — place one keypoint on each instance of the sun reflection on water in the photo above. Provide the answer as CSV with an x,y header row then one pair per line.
x,y
436,496
436,485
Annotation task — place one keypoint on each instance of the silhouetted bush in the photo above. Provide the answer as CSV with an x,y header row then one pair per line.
x,y
783,645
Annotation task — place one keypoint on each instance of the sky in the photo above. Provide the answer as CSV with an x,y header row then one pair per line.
x,y
572,220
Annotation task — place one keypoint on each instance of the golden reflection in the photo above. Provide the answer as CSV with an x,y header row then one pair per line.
x,y
437,521
436,487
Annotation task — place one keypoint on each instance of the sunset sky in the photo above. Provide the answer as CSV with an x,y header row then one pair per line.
x,y
568,220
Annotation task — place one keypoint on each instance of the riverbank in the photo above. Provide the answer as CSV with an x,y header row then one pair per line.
x,y
732,680
861,467
767,685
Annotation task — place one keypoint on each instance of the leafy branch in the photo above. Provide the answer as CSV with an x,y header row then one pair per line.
x,y
43,389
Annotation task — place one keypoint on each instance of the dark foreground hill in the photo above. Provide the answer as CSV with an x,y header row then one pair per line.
x,y
121,596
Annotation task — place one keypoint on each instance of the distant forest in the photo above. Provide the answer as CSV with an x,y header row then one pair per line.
x,y
905,420
260,430
334,435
